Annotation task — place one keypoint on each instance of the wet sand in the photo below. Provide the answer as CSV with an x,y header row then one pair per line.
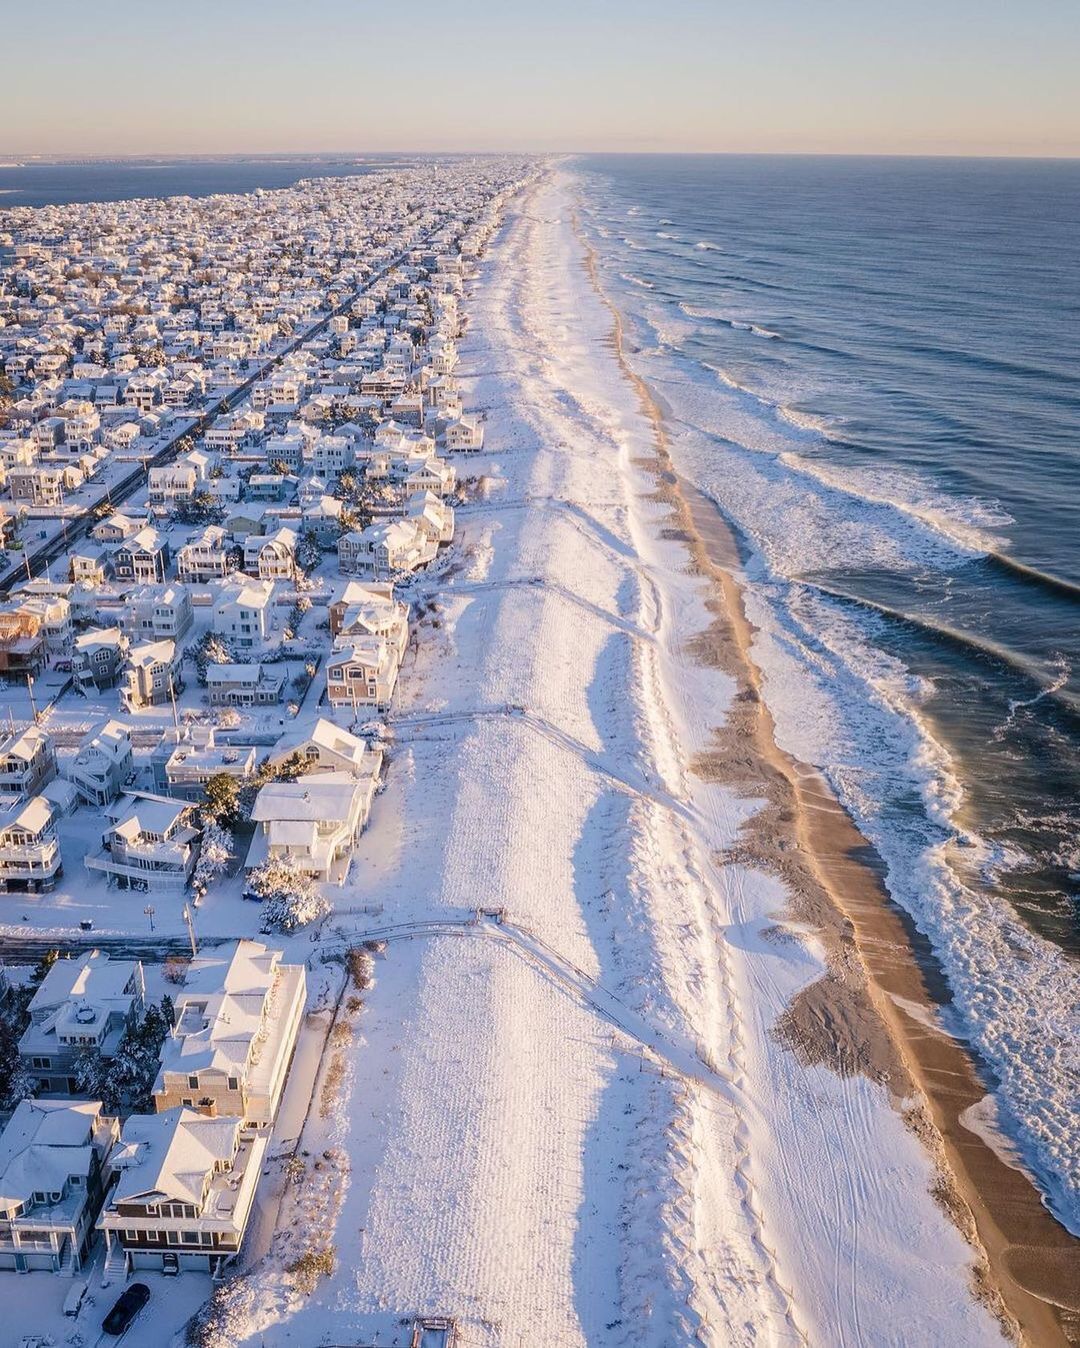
x,y
874,1010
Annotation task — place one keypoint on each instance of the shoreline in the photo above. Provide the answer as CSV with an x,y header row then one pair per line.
x,y
854,1018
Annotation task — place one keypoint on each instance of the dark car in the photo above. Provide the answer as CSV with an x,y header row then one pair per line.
x,y
127,1307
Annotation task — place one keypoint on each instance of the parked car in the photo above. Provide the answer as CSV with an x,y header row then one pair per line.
x,y
126,1308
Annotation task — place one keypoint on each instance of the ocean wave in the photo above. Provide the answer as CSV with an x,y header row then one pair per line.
x,y
961,520
706,247
661,234
842,704
718,316
636,280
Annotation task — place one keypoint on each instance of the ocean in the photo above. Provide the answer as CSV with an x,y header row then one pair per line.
x,y
54,183
872,366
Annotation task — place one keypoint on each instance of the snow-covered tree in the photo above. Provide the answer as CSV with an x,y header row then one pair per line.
x,y
308,551
290,897
214,855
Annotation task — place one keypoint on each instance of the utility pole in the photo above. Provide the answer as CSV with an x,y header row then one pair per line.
x,y
191,931
30,690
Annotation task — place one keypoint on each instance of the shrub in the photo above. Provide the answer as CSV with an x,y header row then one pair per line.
x,y
310,1269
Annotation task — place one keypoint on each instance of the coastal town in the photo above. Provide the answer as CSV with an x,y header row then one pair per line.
x,y
415,929
232,443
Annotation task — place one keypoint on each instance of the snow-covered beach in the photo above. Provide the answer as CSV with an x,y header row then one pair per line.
x,y
579,1124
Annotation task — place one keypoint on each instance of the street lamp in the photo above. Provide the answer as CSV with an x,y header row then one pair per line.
x,y
149,911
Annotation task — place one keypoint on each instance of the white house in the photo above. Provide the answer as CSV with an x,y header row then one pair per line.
x,y
151,843
53,1175
102,765
323,746
237,1020
158,612
314,822
385,549
29,848
242,611
251,685
271,556
151,674
205,556
86,1002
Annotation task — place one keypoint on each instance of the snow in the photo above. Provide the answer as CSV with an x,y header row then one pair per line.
x,y
604,1144
574,1126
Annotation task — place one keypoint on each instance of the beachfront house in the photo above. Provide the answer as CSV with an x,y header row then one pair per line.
x,y
362,672
238,1016
313,823
184,1192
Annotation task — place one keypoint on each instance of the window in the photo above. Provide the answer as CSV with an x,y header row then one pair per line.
x,y
189,1237
234,1083
193,1082
173,1237
41,1062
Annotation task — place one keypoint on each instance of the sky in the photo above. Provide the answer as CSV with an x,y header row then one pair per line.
x,y
793,76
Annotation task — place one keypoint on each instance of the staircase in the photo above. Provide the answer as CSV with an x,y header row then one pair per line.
x,y
67,1260
115,1269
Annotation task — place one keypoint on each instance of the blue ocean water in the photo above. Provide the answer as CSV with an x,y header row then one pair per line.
x,y
873,367
51,184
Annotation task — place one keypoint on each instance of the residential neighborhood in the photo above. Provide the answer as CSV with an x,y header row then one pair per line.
x,y
232,459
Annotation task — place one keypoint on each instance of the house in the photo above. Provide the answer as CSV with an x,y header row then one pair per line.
x,y
174,484
54,1171
27,762
463,435
184,1193
151,675
286,451
86,1002
271,556
89,566
205,556
22,640
237,1021
143,557
325,747
102,765
98,657
314,823
30,858
385,549
244,685
433,515
151,843
331,455
116,528
369,609
362,672
158,612
186,759
432,475
322,517
242,612
44,486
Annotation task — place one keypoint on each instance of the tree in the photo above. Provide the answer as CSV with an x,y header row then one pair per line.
x,y
125,1081
16,1080
290,896
221,802
211,649
44,964
215,853
308,551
